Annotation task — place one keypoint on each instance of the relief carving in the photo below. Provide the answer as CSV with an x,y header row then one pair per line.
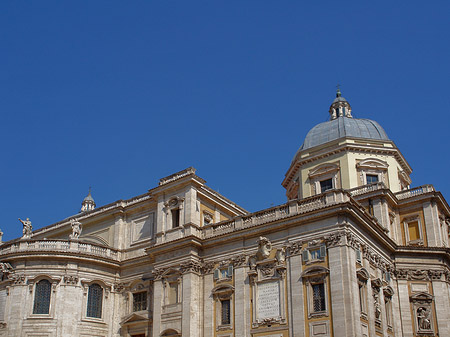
x,y
70,279
264,247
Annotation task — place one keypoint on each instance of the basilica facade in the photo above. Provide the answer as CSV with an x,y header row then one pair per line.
x,y
355,251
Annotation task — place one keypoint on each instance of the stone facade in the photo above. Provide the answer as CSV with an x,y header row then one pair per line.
x,y
354,252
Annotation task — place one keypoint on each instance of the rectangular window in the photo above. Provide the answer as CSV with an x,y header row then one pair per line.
x,y
413,230
42,296
318,297
371,178
362,297
95,299
140,301
175,218
326,185
226,313
315,254
172,293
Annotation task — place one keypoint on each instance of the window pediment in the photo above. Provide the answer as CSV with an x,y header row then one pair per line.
x,y
133,318
421,297
170,332
315,271
373,163
323,169
223,290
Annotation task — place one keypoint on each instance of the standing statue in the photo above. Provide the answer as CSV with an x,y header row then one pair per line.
x,y
423,319
76,229
27,228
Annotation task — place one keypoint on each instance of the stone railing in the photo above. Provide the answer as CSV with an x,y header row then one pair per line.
x,y
291,208
366,188
75,247
414,192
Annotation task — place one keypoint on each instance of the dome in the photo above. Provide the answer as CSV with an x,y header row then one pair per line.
x,y
343,127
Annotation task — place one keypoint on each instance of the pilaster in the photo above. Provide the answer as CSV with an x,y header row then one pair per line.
x,y
157,305
208,305
341,292
242,302
442,306
405,308
431,217
296,297
192,298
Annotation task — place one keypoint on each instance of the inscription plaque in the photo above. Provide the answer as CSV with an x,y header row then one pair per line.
x,y
268,301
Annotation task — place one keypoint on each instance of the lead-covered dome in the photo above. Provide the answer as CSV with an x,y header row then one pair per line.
x,y
341,125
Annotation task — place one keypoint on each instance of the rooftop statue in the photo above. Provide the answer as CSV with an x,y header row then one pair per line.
x,y
27,228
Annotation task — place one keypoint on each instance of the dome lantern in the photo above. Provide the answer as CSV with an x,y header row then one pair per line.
x,y
88,203
340,107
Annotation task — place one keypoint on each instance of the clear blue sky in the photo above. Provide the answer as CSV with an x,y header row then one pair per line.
x,y
117,94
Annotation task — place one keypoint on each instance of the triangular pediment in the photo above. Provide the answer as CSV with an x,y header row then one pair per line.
x,y
133,318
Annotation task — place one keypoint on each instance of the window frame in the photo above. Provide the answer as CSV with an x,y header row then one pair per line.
x,y
363,276
32,282
94,304
221,293
48,294
174,206
322,173
172,277
143,300
406,222
374,167
106,289
309,258
312,276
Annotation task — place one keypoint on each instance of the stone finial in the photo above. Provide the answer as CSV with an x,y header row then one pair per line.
x,y
27,228
1,236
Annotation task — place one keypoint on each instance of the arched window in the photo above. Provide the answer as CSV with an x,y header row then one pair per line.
x,y
94,303
42,294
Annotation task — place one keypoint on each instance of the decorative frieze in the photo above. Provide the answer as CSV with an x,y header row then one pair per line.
x,y
421,274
